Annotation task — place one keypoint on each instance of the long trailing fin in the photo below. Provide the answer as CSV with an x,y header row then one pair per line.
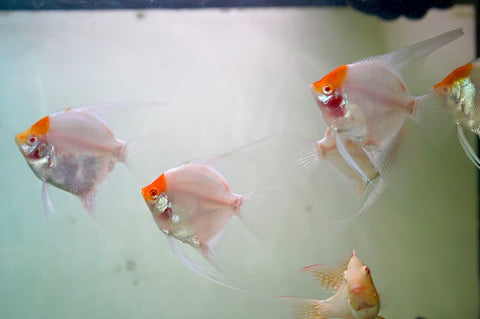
x,y
202,271
51,214
401,58
187,261
370,194
102,108
384,158
471,154
349,159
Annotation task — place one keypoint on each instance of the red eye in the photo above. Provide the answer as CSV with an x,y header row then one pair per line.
x,y
327,89
32,139
154,193
367,270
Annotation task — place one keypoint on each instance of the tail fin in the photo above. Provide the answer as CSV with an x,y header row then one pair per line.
x,y
136,153
300,308
433,118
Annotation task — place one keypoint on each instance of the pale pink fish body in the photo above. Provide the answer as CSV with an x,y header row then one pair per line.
x,y
192,203
367,103
355,297
73,150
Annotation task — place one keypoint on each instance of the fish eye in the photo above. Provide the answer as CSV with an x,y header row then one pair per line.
x,y
367,270
32,140
327,89
154,193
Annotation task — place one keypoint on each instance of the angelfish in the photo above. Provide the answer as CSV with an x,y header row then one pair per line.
x,y
459,94
193,204
74,150
367,102
355,295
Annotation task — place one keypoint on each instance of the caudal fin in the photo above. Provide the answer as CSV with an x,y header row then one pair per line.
x,y
301,308
433,118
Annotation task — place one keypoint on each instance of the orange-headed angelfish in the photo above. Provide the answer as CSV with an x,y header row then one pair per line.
x,y
367,102
459,93
355,294
74,150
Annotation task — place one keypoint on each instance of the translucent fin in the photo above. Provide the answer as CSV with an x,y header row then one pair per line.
x,y
330,277
401,58
433,118
48,208
348,158
50,214
384,158
255,212
308,157
472,155
301,308
138,157
370,194
88,200
187,261
200,270
101,109
293,156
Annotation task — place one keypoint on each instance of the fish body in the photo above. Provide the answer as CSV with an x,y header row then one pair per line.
x,y
367,103
355,295
192,203
74,150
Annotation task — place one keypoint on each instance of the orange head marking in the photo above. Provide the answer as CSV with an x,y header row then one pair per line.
x,y
36,131
327,91
458,74
153,191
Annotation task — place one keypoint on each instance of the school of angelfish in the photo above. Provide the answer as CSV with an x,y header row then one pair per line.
x,y
365,106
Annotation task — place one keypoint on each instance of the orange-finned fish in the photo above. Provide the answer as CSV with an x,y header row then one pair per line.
x,y
73,150
367,102
459,91
355,294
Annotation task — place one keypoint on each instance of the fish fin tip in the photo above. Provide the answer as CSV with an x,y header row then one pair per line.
x,y
467,147
88,201
329,277
367,195
401,58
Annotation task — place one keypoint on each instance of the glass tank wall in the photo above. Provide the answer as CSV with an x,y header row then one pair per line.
x,y
206,82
